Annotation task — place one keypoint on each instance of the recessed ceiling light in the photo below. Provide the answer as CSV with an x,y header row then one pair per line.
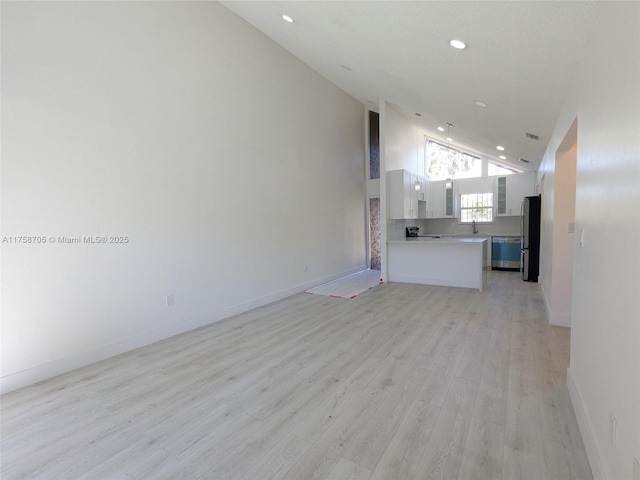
x,y
449,139
459,44
481,104
441,129
287,18
502,157
500,147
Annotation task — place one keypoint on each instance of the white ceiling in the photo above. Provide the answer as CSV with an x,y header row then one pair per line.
x,y
520,59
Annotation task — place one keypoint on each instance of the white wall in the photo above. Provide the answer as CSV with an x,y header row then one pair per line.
x,y
228,163
401,143
604,375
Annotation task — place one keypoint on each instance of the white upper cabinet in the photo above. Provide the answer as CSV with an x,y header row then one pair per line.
x,y
405,202
510,190
475,185
443,199
403,197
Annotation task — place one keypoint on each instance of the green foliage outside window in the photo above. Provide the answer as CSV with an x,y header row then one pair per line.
x,y
443,162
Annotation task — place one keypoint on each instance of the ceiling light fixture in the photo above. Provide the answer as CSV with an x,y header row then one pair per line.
x,y
502,157
458,44
500,147
417,152
287,18
481,104
441,129
449,127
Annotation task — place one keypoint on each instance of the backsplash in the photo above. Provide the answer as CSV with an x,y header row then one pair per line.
x,y
450,226
500,226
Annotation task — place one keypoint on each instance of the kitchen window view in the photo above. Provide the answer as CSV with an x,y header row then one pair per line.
x,y
443,162
476,207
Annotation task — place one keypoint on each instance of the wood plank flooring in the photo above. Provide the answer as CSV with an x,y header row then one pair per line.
x,y
402,382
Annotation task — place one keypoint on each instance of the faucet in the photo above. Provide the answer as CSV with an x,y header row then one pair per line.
x,y
475,230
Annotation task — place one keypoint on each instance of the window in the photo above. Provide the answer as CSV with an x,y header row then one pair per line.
x,y
442,162
476,207
495,169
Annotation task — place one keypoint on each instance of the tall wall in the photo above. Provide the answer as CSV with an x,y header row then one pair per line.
x,y
604,376
235,172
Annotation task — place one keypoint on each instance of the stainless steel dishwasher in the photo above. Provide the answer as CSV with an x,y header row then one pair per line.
x,y
505,253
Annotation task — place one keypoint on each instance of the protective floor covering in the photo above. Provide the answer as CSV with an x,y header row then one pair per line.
x,y
349,286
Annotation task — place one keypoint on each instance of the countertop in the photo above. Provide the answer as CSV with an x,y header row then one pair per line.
x,y
451,240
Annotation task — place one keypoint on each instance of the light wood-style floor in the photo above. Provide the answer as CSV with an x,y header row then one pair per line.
x,y
402,382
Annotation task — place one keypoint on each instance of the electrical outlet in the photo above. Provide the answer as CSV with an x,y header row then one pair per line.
x,y
636,469
613,425
170,301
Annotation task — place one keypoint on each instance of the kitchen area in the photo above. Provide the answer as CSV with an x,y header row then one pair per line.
x,y
452,232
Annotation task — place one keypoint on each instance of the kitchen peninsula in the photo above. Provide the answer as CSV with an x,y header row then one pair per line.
x,y
446,261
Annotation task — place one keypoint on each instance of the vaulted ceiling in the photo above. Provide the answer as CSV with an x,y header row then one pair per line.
x,y
520,60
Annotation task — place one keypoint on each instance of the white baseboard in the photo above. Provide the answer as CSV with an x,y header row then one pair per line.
x,y
546,303
15,381
559,319
441,282
585,429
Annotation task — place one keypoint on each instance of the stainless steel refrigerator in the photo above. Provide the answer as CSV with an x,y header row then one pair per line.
x,y
530,238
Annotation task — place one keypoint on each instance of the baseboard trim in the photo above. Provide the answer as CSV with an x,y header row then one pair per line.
x,y
39,373
586,431
559,319
546,303
440,282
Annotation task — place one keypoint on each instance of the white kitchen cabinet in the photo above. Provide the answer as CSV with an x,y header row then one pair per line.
x,y
437,199
510,190
403,196
424,205
475,185
443,199
422,193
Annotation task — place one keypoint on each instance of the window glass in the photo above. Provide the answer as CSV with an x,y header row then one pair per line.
x,y
443,162
476,207
495,169
374,145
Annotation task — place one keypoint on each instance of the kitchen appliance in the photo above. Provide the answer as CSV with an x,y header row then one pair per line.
x,y
412,231
530,237
505,253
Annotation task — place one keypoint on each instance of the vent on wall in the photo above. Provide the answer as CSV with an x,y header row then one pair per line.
x,y
532,136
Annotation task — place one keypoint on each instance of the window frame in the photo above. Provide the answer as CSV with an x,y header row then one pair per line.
x,y
490,208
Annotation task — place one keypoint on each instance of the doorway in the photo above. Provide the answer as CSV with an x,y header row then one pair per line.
x,y
563,237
